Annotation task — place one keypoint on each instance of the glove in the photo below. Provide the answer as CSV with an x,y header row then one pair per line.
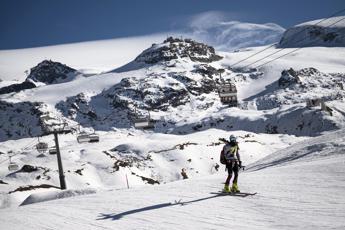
x,y
240,164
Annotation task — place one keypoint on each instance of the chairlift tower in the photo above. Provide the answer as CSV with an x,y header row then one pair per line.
x,y
55,132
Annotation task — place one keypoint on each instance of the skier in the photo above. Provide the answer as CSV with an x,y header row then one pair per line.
x,y
233,163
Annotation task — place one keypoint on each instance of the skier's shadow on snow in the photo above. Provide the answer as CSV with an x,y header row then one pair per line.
x,y
114,216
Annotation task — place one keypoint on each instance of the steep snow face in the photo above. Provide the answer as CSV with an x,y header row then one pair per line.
x,y
233,35
329,33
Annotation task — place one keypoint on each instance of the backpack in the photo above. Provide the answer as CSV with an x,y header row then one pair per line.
x,y
222,157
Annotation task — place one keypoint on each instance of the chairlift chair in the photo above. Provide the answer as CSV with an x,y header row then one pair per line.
x,y
52,151
85,137
228,93
42,147
94,137
143,123
12,166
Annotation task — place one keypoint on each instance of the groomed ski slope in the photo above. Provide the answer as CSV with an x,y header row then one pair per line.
x,y
304,191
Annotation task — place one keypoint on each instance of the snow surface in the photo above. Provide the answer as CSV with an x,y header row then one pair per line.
x,y
298,173
304,192
87,57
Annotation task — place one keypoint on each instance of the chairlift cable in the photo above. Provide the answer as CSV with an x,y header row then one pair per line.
x,y
280,57
334,14
278,51
292,50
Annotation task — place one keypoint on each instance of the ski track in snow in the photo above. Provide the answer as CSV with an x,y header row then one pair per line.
x,y
289,197
306,194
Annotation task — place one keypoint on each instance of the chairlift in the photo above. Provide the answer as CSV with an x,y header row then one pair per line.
x,y
42,147
87,137
143,121
228,93
12,166
52,151
94,137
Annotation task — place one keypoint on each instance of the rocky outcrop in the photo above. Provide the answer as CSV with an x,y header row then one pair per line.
x,y
19,120
288,77
17,87
175,48
47,72
50,72
300,86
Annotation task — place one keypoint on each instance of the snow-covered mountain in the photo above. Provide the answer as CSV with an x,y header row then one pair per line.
x,y
175,82
46,72
327,32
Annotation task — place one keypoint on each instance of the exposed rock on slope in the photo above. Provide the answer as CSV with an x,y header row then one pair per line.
x,y
288,77
50,72
119,103
299,86
17,87
174,48
47,72
19,120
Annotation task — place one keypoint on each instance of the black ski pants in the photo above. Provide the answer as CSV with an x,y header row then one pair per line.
x,y
232,166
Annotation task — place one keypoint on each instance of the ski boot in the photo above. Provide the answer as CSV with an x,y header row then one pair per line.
x,y
234,188
226,188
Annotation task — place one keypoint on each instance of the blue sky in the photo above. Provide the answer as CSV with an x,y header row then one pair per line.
x,y
32,23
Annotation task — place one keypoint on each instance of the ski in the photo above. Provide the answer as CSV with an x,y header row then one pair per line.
x,y
239,194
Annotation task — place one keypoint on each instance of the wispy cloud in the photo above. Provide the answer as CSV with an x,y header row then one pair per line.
x,y
229,31
206,20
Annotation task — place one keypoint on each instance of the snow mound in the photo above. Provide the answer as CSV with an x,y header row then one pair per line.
x,y
329,33
327,145
54,195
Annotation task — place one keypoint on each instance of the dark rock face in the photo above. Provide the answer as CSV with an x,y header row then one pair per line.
x,y
47,72
207,70
288,77
19,120
50,72
174,48
17,87
148,93
28,169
